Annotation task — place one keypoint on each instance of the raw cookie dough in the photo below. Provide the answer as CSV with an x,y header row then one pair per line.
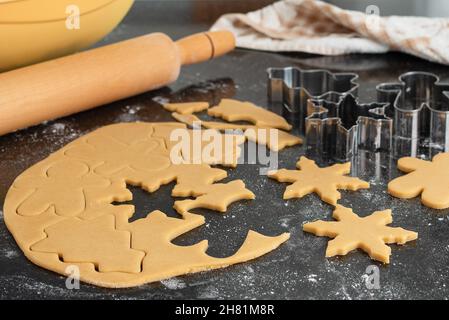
x,y
198,151
186,107
352,232
263,136
251,132
428,178
323,181
60,210
234,110
227,192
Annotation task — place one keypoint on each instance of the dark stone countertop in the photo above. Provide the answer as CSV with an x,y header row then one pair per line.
x,y
298,269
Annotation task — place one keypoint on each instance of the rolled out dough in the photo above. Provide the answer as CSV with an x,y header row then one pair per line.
x,y
60,210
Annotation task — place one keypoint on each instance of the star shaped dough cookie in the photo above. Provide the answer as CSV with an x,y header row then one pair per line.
x,y
350,232
428,178
323,181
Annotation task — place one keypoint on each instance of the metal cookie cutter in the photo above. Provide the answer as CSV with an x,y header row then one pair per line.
x,y
335,130
419,105
292,87
334,123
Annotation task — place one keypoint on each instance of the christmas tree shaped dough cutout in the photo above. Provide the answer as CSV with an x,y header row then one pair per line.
x,y
350,232
97,241
323,181
428,178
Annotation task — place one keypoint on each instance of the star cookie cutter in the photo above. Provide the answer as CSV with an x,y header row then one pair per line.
x,y
336,129
419,107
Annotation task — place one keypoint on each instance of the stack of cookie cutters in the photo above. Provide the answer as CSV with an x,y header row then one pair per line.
x,y
408,115
327,112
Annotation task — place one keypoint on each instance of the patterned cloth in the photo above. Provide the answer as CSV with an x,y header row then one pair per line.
x,y
316,27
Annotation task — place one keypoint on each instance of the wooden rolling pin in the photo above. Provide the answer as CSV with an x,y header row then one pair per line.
x,y
81,81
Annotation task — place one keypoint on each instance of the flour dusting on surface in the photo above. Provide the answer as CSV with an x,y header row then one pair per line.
x,y
9,254
173,284
129,114
58,128
161,100
210,292
312,278
133,109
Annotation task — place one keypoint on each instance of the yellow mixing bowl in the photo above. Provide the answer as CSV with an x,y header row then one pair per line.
x,y
35,30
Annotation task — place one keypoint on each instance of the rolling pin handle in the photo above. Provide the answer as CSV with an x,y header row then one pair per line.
x,y
205,46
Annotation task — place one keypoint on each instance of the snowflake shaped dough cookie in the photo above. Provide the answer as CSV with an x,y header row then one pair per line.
x,y
323,181
350,232
428,178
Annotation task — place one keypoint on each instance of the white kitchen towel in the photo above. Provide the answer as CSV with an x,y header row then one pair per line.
x,y
317,27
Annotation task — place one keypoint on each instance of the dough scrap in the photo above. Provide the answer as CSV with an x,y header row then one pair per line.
x,y
251,132
207,198
186,107
370,234
264,136
430,179
191,120
323,181
234,110
60,210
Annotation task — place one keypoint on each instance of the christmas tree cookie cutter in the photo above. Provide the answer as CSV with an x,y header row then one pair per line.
x,y
336,130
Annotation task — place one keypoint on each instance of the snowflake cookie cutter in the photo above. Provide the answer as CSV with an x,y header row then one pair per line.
x,y
336,129
419,107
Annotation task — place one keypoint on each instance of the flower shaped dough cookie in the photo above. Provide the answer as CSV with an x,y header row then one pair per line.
x,y
428,178
323,181
353,232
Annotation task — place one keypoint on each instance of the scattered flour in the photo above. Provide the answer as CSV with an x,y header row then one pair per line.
x,y
161,100
312,278
249,268
284,222
174,284
133,109
10,254
209,292
57,128
61,132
